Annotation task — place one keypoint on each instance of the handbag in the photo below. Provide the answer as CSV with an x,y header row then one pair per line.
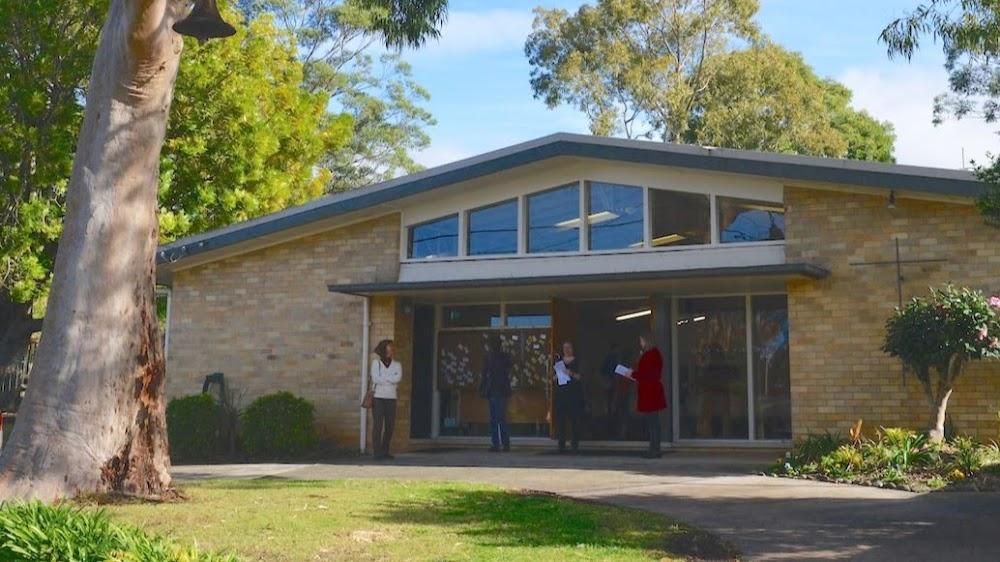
x,y
369,400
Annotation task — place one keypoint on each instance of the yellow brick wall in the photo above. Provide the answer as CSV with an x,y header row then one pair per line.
x,y
839,373
267,320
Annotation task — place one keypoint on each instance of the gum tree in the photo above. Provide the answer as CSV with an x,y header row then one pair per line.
x,y
937,336
93,419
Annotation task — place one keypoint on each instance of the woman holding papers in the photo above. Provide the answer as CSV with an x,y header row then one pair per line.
x,y
651,398
568,397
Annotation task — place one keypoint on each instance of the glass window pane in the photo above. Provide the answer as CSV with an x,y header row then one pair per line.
x,y
534,314
437,239
615,217
772,384
743,220
471,316
680,219
554,220
459,363
493,229
712,361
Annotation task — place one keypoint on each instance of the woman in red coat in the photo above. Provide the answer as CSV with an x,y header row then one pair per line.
x,y
651,398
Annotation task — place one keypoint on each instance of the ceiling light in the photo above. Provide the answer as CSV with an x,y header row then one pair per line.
x,y
635,314
592,219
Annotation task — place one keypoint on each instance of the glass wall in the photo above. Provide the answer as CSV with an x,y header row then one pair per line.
x,y
614,216
772,385
462,346
493,229
679,219
712,368
554,220
435,239
743,220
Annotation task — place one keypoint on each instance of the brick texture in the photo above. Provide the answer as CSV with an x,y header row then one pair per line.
x,y
267,320
837,324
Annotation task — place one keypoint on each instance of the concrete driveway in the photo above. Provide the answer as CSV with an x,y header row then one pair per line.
x,y
767,518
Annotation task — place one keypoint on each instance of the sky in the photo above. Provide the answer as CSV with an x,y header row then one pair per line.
x,y
478,78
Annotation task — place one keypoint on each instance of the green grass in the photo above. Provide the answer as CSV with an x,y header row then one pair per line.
x,y
283,521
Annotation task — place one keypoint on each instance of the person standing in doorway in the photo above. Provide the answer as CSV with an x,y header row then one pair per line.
x,y
568,397
650,396
386,374
496,386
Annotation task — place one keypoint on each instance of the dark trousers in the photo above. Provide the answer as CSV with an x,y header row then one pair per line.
x,y
383,422
653,426
499,433
568,410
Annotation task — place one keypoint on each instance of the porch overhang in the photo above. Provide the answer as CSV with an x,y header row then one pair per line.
x,y
758,278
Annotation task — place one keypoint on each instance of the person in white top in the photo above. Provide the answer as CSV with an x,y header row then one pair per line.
x,y
386,374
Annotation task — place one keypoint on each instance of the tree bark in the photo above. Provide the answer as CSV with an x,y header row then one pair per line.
x,y
93,416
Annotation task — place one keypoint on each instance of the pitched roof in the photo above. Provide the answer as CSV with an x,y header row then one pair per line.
x,y
786,166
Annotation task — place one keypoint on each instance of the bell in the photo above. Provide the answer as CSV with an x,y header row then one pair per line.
x,y
204,22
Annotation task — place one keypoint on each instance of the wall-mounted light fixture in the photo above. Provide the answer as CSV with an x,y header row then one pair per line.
x,y
892,200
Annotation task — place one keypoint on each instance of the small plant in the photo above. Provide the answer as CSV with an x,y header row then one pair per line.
x,y
35,532
936,482
279,425
906,448
967,456
193,428
813,447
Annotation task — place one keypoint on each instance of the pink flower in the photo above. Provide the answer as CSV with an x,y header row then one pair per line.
x,y
995,302
982,334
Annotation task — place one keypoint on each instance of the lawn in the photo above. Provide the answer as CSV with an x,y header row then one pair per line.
x,y
284,521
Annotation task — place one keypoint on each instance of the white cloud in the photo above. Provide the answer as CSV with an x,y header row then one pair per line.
x,y
904,95
471,33
442,153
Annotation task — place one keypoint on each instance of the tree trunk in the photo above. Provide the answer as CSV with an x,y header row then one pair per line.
x,y
93,417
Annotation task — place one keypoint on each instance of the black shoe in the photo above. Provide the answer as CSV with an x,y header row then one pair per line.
x,y
506,448
494,449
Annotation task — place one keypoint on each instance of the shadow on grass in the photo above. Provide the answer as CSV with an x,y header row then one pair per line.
x,y
529,519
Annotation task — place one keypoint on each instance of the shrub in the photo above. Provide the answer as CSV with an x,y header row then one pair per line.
x,y
813,447
193,427
907,448
35,532
278,425
967,456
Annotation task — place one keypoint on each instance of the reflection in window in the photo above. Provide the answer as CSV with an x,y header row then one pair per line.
x,y
493,229
712,361
471,316
554,220
615,216
679,219
533,314
743,220
436,239
772,385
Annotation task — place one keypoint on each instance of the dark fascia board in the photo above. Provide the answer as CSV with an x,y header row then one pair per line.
x,y
786,166
803,270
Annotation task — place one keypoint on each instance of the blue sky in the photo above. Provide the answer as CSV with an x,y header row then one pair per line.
x,y
477,75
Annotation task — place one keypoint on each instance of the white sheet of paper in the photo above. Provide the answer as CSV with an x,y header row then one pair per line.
x,y
622,370
562,377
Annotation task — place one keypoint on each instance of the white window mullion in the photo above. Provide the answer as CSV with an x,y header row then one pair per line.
x,y
463,234
675,366
647,220
714,212
522,225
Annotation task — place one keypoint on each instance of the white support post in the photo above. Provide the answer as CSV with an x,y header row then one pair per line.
x,y
365,343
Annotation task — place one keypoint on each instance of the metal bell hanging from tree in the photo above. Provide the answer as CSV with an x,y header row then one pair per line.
x,y
204,22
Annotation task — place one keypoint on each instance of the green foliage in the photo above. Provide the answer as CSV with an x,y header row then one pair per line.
x,y
905,448
45,58
333,39
967,455
244,137
278,426
815,446
35,532
667,69
194,425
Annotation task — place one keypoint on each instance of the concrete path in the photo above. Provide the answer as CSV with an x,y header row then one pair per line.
x,y
767,518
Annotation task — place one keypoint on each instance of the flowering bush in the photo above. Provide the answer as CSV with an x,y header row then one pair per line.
x,y
940,334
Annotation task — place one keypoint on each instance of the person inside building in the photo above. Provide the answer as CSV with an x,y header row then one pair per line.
x,y
569,399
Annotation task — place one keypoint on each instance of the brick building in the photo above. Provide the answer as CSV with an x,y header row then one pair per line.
x,y
754,271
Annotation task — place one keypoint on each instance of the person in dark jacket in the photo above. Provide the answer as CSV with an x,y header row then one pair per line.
x,y
496,378
650,396
569,401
